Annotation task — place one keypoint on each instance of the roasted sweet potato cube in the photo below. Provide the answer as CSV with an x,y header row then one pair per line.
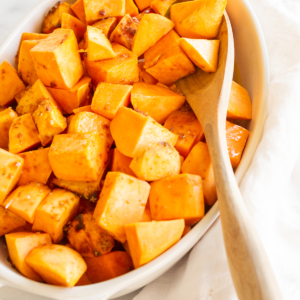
x,y
24,200
84,280
157,25
240,106
23,134
106,26
72,99
166,61
96,10
78,157
53,19
87,108
161,6
143,4
198,162
185,124
122,69
131,8
57,209
133,132
203,53
157,162
57,60
155,101
147,214
87,238
70,22
19,246
9,221
120,163
122,201
147,240
10,170
125,31
177,197
25,67
36,167
108,98
57,264
85,122
198,19
10,83
7,116
148,78
78,9
236,137
108,266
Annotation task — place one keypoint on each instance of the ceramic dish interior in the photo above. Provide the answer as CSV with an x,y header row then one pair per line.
x,y
252,73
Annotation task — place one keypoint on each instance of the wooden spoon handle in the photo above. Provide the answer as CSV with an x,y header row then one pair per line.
x,y
250,269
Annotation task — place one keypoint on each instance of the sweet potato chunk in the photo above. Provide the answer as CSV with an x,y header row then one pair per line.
x,y
10,83
7,116
106,26
155,101
71,99
9,221
57,209
85,122
157,162
19,246
203,53
108,266
78,9
96,10
131,8
87,238
198,19
161,6
10,170
70,22
57,61
166,61
122,201
24,200
198,162
147,240
36,167
151,29
56,264
120,163
240,106
148,78
143,4
185,124
23,134
236,137
122,69
133,132
108,98
147,214
87,108
84,280
177,197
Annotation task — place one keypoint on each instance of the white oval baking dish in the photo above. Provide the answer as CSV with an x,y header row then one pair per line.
x,y
252,64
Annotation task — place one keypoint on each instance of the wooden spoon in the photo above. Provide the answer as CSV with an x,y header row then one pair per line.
x,y
208,95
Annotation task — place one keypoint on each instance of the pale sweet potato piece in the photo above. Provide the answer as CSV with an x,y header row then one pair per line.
x,y
161,6
131,8
122,201
70,22
147,240
56,264
7,116
106,26
9,221
57,209
19,246
143,4
10,83
121,163
78,9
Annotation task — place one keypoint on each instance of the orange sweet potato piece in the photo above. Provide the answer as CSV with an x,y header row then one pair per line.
x,y
108,266
19,246
143,4
147,240
240,106
87,108
57,61
151,29
70,22
155,101
84,280
122,201
57,264
133,132
108,98
57,209
236,137
166,61
9,221
96,10
78,9
122,69
106,26
10,83
7,116
185,124
148,78
10,170
120,163
131,8
161,6
147,214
